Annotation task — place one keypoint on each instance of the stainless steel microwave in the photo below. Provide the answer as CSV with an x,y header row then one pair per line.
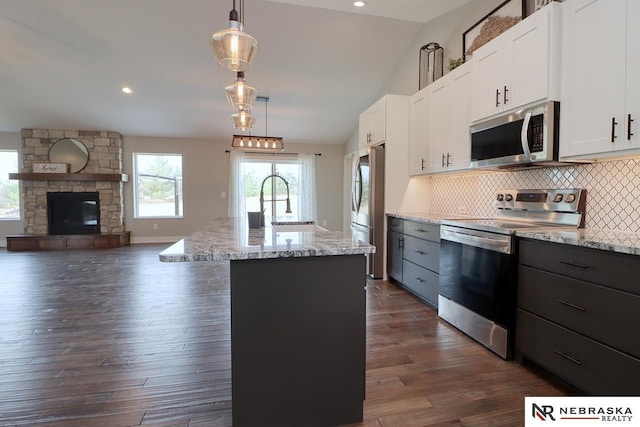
x,y
527,137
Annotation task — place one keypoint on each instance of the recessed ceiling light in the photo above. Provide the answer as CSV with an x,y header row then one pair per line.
x,y
127,90
359,3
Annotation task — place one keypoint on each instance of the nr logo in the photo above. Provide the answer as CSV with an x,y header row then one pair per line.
x,y
543,412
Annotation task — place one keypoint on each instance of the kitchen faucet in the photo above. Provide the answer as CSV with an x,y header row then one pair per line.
x,y
275,175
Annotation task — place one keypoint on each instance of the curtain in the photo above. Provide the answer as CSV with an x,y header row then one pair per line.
x,y
240,164
307,173
236,185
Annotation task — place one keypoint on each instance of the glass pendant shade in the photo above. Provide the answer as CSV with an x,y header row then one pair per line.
x,y
243,120
240,95
234,48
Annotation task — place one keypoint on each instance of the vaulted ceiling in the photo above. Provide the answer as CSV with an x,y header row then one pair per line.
x,y
63,63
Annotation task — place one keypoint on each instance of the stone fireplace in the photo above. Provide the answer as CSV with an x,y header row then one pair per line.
x,y
105,157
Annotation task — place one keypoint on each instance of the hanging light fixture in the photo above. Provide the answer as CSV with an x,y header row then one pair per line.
x,y
234,48
270,144
243,120
240,95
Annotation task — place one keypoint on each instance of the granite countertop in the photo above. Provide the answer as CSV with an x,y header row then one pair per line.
x,y
225,239
427,217
606,240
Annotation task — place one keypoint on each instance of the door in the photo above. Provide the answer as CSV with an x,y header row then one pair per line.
x,y
594,79
440,119
460,147
632,108
488,79
394,255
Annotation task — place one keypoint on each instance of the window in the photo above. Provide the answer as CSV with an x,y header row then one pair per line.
x,y
248,172
158,185
9,189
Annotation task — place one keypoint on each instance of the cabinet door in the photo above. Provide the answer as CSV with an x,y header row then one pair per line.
x,y
488,79
528,61
364,129
394,256
418,133
593,83
439,119
379,122
632,129
460,143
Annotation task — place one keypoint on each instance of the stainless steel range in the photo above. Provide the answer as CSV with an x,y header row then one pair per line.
x,y
479,261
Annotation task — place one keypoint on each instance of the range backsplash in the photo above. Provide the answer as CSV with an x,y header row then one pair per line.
x,y
613,191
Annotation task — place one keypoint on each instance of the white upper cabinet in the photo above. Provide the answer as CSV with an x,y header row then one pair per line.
x,y
372,128
519,67
448,119
600,88
418,132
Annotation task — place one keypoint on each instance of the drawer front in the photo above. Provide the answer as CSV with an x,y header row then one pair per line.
x,y
600,313
396,224
421,281
423,231
595,266
588,365
422,252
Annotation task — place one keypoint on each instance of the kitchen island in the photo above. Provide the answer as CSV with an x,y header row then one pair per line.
x,y
297,320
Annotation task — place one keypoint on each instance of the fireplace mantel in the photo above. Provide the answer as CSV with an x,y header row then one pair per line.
x,y
28,176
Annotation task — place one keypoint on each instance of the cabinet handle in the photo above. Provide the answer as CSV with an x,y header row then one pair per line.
x,y
422,164
613,129
419,280
497,97
420,252
504,96
400,243
566,356
448,159
629,121
568,304
420,230
442,159
574,264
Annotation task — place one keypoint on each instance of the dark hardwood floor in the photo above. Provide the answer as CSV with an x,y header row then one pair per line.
x,y
115,338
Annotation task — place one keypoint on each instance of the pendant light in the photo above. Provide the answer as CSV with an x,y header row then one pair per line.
x,y
240,95
243,120
234,48
269,144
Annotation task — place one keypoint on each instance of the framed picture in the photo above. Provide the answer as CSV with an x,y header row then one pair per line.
x,y
492,25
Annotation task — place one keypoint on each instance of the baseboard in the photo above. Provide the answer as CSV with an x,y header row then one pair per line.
x,y
154,239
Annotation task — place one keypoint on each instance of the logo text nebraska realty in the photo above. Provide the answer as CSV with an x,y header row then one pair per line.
x,y
581,411
609,413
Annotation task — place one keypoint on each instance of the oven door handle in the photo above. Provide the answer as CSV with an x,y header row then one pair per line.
x,y
501,243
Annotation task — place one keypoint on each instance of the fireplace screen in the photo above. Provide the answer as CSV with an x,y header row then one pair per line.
x,y
73,213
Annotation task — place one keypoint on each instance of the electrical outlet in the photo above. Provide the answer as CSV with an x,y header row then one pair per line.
x,y
223,195
155,226
324,222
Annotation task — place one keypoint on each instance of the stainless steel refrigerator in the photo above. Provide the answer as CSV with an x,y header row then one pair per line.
x,y
367,204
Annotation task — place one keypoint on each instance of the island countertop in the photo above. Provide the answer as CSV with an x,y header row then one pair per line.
x,y
225,239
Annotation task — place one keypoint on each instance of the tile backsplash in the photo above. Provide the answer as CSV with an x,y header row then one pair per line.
x,y
613,191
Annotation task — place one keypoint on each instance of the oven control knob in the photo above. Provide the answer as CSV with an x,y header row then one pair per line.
x,y
557,198
500,197
508,197
570,198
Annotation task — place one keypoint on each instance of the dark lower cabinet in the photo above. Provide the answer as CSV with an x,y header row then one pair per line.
x,y
578,311
413,257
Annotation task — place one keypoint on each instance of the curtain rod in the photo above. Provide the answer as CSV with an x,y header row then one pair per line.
x,y
272,154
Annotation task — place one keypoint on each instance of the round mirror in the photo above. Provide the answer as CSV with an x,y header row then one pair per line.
x,y
69,150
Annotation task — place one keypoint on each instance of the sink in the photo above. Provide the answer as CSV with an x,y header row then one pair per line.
x,y
285,227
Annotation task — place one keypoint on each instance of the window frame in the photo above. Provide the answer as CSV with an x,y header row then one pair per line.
x,y
19,184
136,207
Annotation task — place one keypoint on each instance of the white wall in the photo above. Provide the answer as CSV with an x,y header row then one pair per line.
x,y
10,141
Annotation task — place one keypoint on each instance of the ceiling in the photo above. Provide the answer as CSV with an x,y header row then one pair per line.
x,y
321,62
